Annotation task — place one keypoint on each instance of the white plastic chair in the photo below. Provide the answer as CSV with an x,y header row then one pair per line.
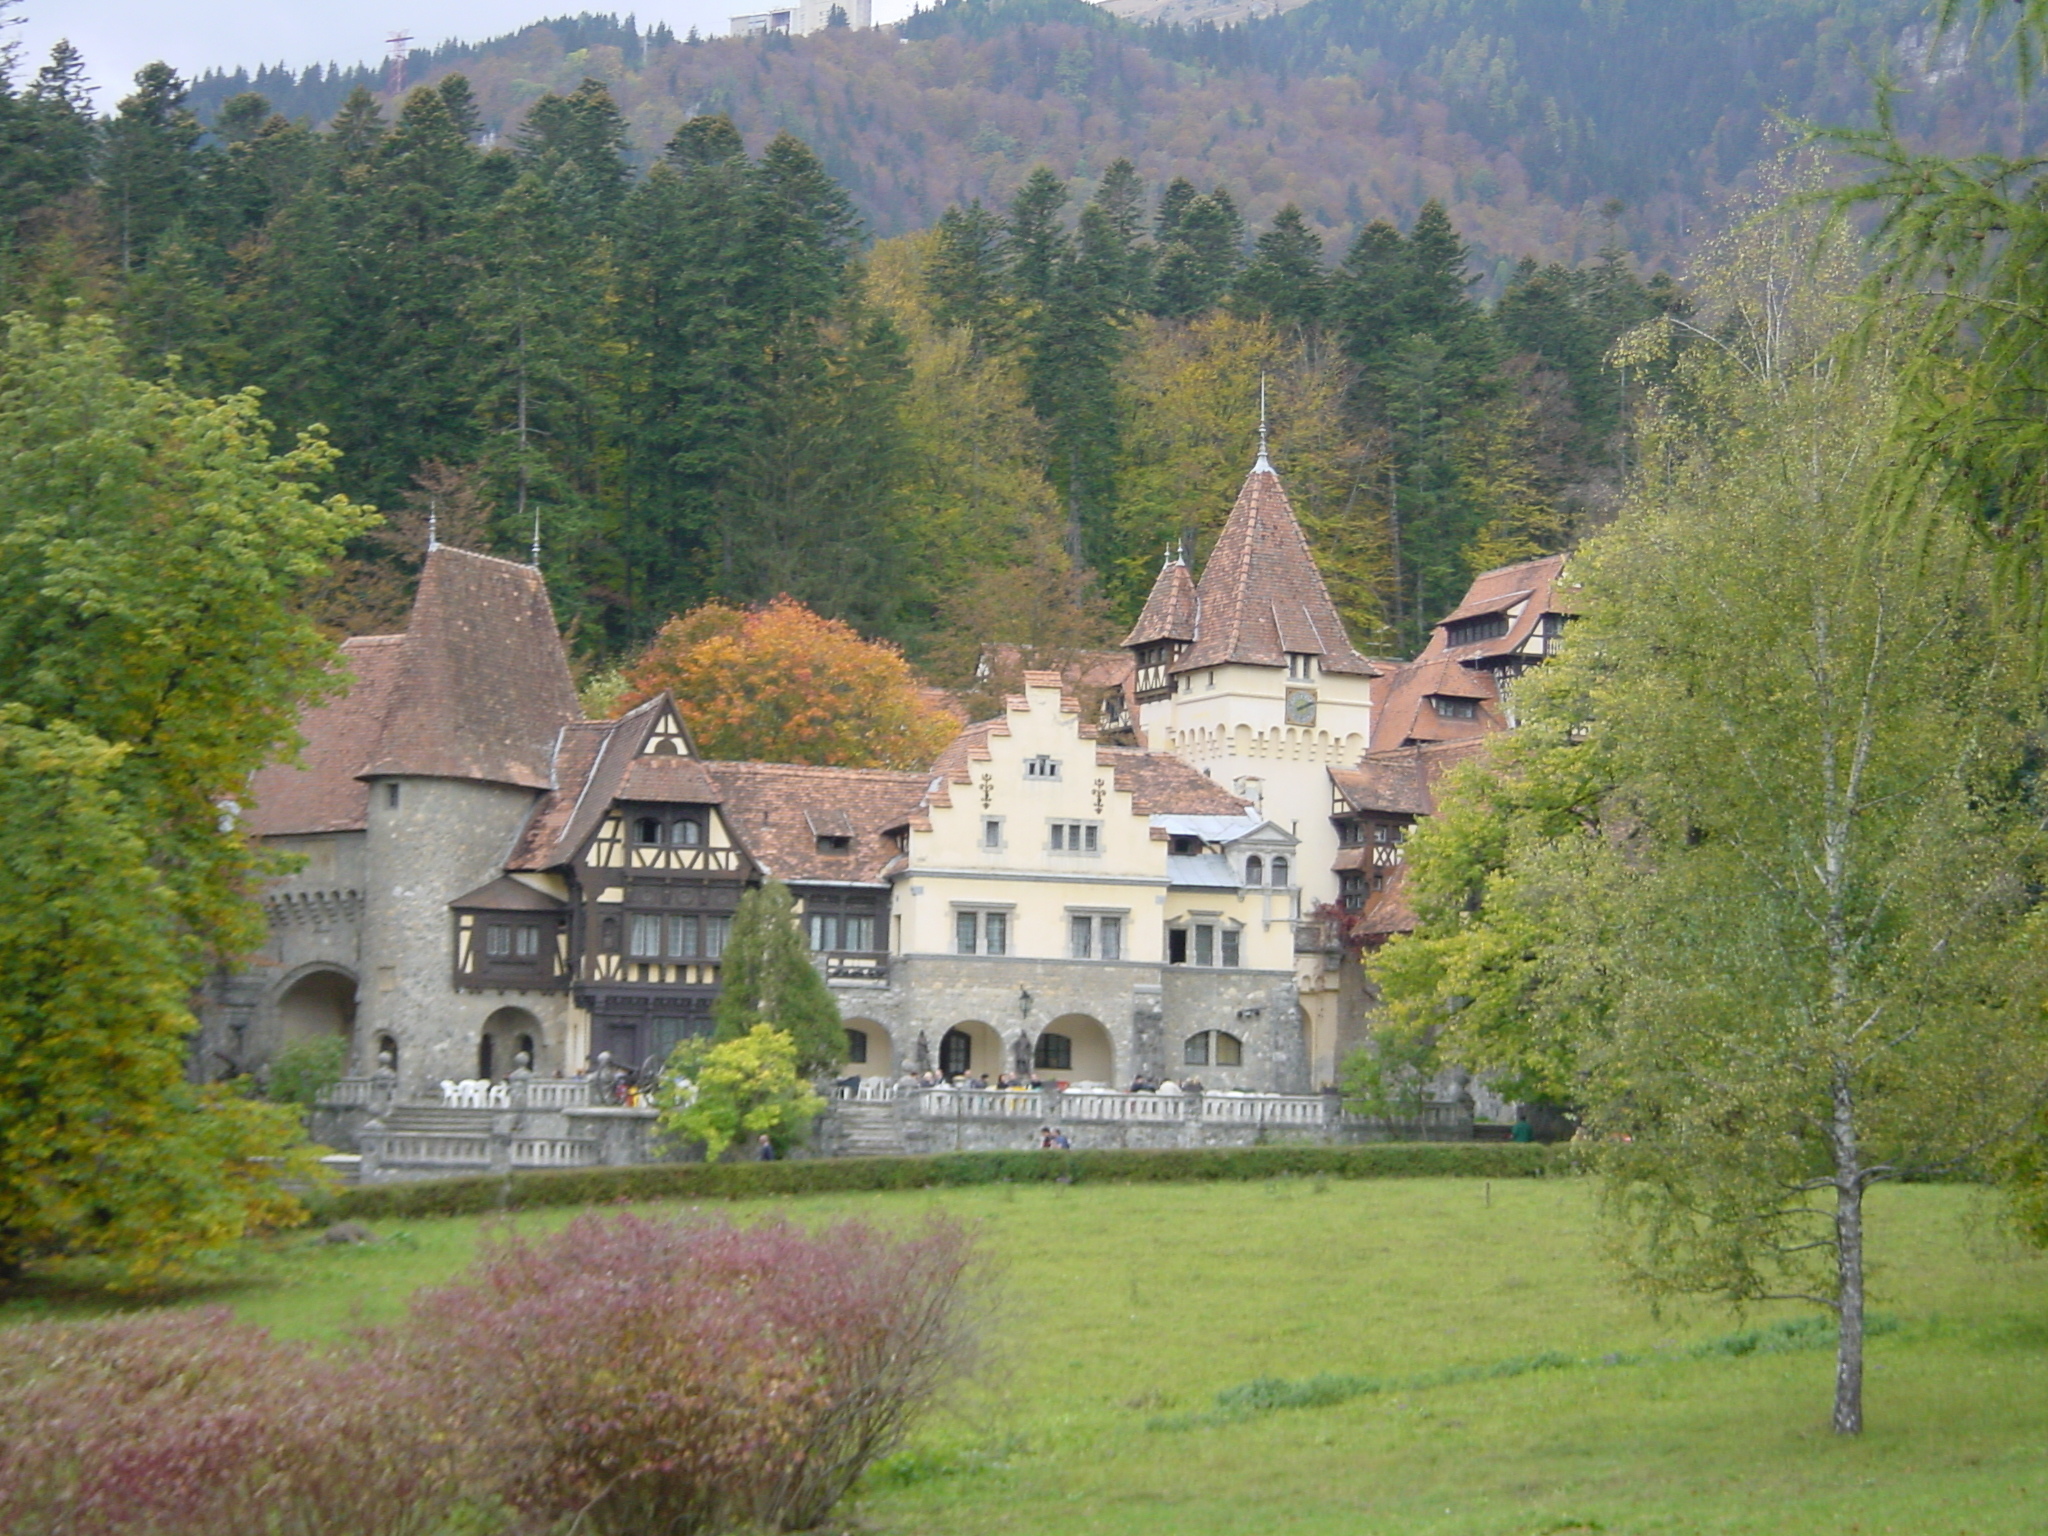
x,y
500,1096
451,1095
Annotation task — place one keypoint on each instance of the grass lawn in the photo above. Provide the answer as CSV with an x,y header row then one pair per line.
x,y
1124,1309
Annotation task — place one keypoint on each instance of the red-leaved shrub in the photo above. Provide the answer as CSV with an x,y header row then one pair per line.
x,y
182,1423
667,1377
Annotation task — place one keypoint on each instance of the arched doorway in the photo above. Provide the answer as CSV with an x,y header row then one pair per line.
x,y
970,1046
505,1034
321,1005
1075,1048
869,1052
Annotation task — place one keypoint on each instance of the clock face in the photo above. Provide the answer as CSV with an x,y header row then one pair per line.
x,y
1301,706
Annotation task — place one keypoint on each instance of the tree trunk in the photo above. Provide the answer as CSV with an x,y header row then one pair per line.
x,y
1848,1263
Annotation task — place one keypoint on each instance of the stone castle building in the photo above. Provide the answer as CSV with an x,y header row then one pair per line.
x,y
483,872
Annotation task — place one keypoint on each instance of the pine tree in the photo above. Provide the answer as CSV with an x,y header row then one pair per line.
x,y
577,145
1284,282
965,274
150,168
766,977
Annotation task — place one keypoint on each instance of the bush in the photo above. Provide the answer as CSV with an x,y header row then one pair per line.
x,y
839,1175
735,1091
191,1422
305,1069
622,1376
691,1376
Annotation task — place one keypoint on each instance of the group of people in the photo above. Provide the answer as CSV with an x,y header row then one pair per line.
x,y
1143,1084
1053,1139
1002,1082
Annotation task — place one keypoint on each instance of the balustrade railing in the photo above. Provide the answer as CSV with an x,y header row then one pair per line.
x,y
553,1152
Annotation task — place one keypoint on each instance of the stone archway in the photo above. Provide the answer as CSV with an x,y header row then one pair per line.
x,y
971,1046
869,1051
320,1005
1075,1048
505,1034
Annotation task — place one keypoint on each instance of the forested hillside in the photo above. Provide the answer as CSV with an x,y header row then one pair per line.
x,y
1523,118
623,318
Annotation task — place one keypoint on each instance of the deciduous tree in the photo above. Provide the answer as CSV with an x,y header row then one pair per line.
x,y
781,684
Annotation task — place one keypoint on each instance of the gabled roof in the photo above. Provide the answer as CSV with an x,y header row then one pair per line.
x,y
1261,595
1170,610
482,686
1533,584
323,792
635,757
1163,785
1400,781
781,810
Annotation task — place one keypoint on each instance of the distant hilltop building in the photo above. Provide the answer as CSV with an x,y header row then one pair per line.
x,y
1176,878
803,19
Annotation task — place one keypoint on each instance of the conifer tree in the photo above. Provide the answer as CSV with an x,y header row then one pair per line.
x,y
150,169
1284,281
766,977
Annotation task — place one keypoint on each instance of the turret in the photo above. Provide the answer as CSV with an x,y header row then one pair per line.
x,y
1164,630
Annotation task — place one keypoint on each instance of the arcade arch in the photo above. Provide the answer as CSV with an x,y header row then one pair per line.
x,y
869,1052
971,1046
1075,1048
506,1033
318,1005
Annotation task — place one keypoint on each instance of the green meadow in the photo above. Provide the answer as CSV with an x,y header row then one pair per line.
x,y
1401,1356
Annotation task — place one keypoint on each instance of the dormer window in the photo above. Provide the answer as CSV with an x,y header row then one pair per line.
x,y
1041,767
1448,708
686,833
835,844
1301,667
1184,847
1488,626
646,829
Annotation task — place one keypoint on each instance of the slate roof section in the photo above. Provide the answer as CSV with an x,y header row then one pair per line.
x,y
483,687
778,809
1261,595
324,791
1170,610
505,894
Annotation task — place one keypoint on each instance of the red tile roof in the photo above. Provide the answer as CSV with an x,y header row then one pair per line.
x,y
780,810
483,686
593,761
1162,785
322,792
1533,583
1402,713
1261,595
1170,610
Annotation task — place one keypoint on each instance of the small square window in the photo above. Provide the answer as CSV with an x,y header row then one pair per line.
x,y
1041,767
1089,838
992,832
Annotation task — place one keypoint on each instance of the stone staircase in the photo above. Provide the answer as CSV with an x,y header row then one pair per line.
x,y
434,1120
868,1130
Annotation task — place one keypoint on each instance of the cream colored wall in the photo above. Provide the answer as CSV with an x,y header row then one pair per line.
x,y
1229,722
950,868
1265,917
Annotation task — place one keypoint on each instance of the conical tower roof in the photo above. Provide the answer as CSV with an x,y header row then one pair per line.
x,y
1261,596
1170,610
481,685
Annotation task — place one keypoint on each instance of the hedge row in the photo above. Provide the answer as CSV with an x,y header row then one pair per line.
x,y
739,1181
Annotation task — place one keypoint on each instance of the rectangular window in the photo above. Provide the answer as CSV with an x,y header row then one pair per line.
x,y
1109,933
1059,837
643,938
859,934
1076,837
682,937
497,941
1454,709
526,941
1205,945
992,832
1230,938
824,930
1081,938
1176,946
716,931
996,933
1089,843
965,925
1041,767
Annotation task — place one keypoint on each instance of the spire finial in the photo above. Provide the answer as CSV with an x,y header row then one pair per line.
x,y
433,523
536,536
1264,463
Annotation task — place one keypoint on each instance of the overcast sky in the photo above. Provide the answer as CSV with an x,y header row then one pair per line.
x,y
118,37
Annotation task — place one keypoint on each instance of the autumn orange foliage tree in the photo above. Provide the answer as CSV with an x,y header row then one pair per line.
x,y
782,684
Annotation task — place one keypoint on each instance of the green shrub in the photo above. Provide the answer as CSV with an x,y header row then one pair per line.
x,y
305,1069
740,1181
